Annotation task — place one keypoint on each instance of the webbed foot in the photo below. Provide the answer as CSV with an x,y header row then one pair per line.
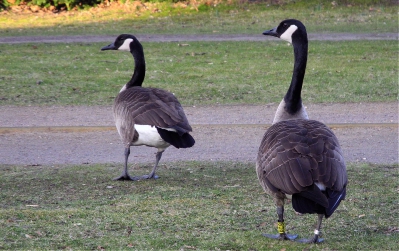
x,y
137,178
148,176
124,177
284,236
315,239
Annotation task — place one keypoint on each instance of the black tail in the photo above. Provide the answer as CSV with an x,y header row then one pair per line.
x,y
184,140
310,201
315,201
334,198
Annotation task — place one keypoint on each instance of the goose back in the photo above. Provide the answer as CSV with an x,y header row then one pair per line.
x,y
296,154
149,106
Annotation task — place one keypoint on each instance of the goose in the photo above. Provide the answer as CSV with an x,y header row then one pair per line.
x,y
297,156
146,116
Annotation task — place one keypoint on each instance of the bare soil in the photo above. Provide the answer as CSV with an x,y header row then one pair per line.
x,y
368,132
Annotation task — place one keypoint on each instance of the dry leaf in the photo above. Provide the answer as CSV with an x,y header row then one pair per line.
x,y
189,247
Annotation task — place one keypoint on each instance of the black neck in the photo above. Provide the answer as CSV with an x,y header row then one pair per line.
x,y
139,67
293,96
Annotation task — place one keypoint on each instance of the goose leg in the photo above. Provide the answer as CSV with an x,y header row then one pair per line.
x,y
282,235
125,174
152,175
315,238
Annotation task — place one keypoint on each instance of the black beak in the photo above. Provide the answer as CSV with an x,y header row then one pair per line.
x,y
272,32
109,47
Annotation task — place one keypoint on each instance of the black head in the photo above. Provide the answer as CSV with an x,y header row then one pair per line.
x,y
290,30
124,42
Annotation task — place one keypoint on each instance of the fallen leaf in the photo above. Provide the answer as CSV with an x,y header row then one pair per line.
x,y
189,247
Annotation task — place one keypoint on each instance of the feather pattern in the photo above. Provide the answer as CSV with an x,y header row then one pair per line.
x,y
298,156
146,116
149,106
295,154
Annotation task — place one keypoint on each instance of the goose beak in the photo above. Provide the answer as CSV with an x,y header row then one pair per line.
x,y
109,47
272,32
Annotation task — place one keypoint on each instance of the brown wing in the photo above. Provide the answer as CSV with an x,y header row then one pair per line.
x,y
151,106
294,154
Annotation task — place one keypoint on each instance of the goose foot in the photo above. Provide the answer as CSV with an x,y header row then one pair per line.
x,y
124,177
137,178
317,233
284,236
148,176
315,239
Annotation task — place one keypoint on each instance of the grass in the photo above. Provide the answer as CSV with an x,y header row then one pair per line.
x,y
199,73
194,206
220,18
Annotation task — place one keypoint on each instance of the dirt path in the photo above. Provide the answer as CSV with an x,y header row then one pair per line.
x,y
75,135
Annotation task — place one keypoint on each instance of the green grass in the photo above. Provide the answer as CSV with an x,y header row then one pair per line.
x,y
199,73
195,205
166,18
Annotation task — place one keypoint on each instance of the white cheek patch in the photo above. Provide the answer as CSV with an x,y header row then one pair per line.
x,y
126,45
287,35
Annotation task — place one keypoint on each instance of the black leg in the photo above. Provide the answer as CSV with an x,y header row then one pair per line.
x,y
282,235
152,175
125,174
317,232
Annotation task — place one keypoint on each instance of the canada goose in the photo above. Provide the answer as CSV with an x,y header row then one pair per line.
x,y
298,156
147,116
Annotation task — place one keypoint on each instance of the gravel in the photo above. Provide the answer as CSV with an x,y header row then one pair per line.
x,y
368,132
